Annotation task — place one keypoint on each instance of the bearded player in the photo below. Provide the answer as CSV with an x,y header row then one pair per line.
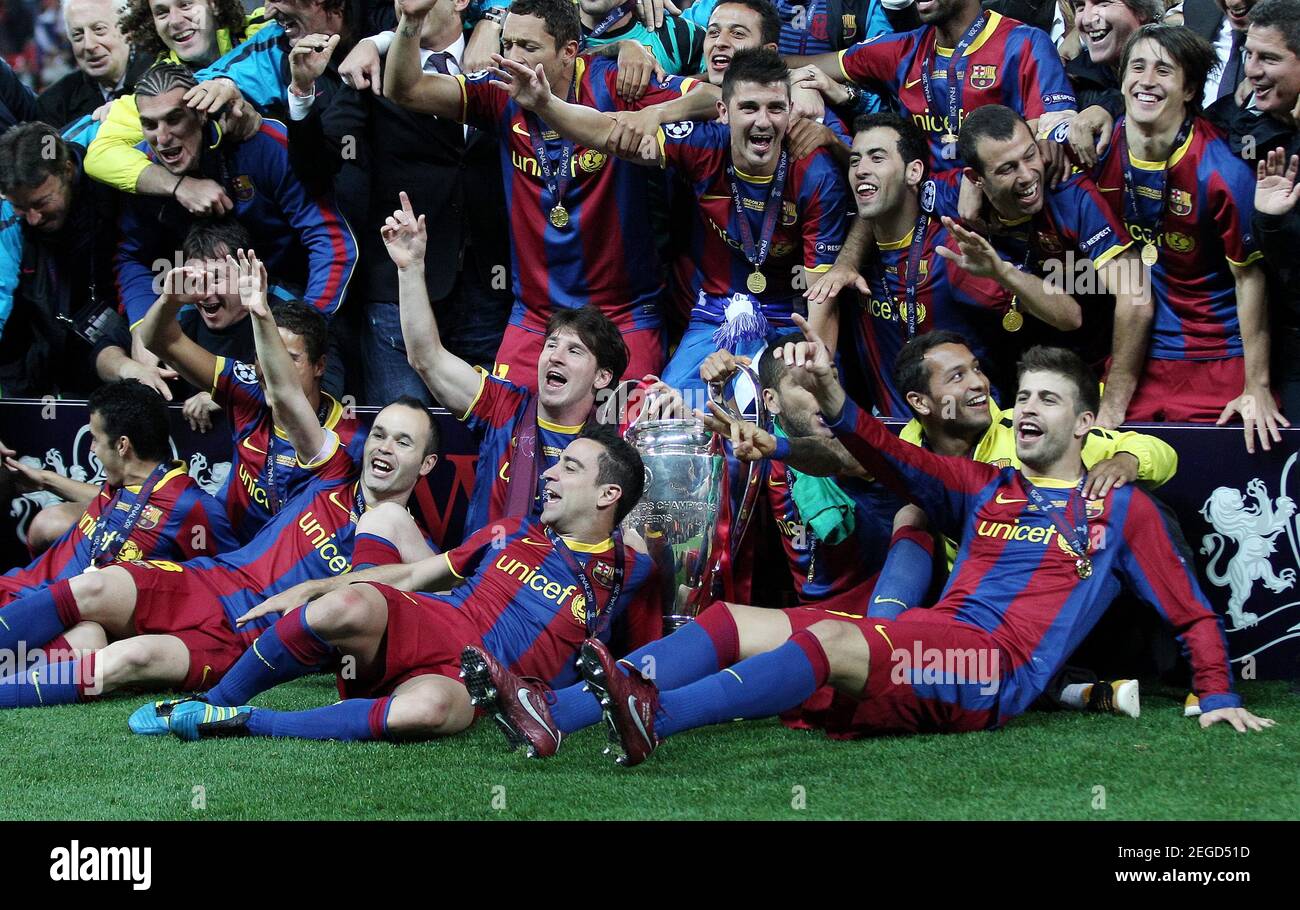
x,y
1038,566
529,589
172,625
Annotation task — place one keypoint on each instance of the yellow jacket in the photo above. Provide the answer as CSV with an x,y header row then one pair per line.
x,y
112,157
1157,460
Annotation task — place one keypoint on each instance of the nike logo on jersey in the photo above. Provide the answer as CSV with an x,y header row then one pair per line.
x,y
913,84
1006,502
884,635
248,445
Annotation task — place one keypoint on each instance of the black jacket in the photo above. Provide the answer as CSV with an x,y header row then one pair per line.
x,y
1096,84
76,94
61,275
1031,12
455,184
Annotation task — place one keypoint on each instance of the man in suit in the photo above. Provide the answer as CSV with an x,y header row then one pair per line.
x,y
107,66
1223,23
447,170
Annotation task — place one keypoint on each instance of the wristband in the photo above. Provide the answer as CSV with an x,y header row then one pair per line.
x,y
310,93
178,184
782,450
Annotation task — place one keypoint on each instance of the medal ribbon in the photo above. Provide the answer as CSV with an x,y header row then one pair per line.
x,y
605,24
102,550
912,278
557,181
756,254
589,592
1076,533
268,470
954,85
1130,192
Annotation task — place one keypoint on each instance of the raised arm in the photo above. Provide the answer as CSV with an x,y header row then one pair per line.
x,y
162,334
451,380
290,408
405,81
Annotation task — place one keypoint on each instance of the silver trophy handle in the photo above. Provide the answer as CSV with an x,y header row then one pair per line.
x,y
752,474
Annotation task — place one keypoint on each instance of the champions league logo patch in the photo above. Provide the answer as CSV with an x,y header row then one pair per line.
x,y
1062,132
245,373
928,193
679,130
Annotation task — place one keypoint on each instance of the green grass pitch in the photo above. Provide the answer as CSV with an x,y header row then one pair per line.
x,y
80,762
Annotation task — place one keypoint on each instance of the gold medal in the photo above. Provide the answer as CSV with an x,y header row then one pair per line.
x,y
756,282
1150,254
1083,567
560,216
1012,321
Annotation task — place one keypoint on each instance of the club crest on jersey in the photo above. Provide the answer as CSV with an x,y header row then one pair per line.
x,y
1094,508
1048,242
789,212
149,518
603,573
1180,202
244,188
982,75
679,130
245,373
592,161
849,24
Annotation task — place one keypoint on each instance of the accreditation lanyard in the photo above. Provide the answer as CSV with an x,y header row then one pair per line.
x,y
756,253
358,504
268,470
1131,213
556,179
607,23
911,279
954,85
1075,529
104,547
592,606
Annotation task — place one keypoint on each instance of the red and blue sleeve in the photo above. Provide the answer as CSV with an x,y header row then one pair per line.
x,y
235,388
947,188
464,560
1043,85
698,153
134,274
825,211
482,105
1080,209
1229,189
1157,566
496,403
322,230
944,488
657,92
877,59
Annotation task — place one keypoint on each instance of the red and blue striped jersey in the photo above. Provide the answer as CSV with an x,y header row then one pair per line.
x,y
1206,230
179,522
310,537
1008,63
814,219
821,570
1015,573
494,416
605,254
253,436
530,608
947,297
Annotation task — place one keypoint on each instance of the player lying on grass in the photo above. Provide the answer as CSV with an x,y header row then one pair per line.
x,y
529,589
147,508
1038,566
173,625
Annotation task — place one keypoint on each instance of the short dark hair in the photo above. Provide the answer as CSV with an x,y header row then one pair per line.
x,y
1146,10
561,18
912,144
134,410
760,65
1064,363
305,321
772,369
769,29
620,464
207,237
1194,55
992,121
1283,15
910,371
30,154
598,333
434,444
162,78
